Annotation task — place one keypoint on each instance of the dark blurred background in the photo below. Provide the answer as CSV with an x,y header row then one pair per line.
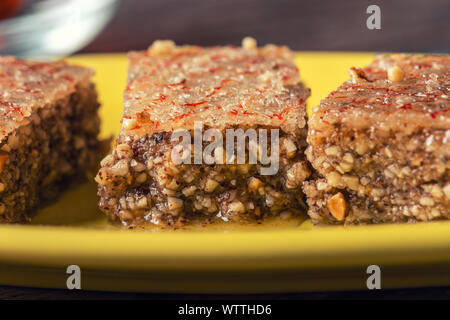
x,y
410,26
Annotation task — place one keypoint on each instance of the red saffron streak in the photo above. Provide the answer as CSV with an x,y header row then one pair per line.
x,y
194,104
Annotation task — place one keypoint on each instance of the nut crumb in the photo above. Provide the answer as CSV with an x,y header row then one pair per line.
x,y
337,206
161,47
395,74
249,43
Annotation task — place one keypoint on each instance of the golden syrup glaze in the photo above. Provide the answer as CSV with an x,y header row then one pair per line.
x,y
28,85
418,98
220,86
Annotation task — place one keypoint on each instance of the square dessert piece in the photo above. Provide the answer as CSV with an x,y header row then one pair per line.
x,y
381,144
48,132
173,88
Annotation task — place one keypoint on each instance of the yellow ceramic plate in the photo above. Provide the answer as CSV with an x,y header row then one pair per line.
x,y
288,256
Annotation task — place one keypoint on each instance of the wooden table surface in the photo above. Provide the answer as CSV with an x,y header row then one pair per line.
x,y
18,293
415,25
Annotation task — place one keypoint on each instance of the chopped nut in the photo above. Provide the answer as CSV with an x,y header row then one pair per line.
x,y
174,203
406,171
339,169
426,201
161,47
129,124
362,147
158,160
169,192
333,178
388,152
318,160
172,168
411,145
377,192
206,202
142,203
348,158
365,181
322,185
236,207
254,184
211,185
249,43
149,164
188,177
389,174
435,213
405,212
436,191
2,187
107,161
212,208
137,166
345,167
351,181
395,74
131,203
290,148
14,141
123,151
296,174
395,170
189,191
101,177
447,191
120,168
333,151
337,206
415,210
173,184
123,202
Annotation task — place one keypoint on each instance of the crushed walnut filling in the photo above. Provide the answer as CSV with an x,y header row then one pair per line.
x,y
139,182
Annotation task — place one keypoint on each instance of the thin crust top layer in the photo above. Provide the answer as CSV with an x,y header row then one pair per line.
x,y
28,85
170,87
395,92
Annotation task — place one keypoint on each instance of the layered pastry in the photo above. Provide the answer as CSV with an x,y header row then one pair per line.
x,y
380,144
173,89
48,132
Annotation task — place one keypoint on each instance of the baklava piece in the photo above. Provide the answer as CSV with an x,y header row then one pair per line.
x,y
380,144
172,87
48,132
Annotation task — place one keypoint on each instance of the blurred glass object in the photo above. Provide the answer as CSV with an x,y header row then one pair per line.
x,y
49,28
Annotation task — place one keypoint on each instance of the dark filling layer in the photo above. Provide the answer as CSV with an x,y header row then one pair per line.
x,y
37,159
138,183
380,176
418,204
